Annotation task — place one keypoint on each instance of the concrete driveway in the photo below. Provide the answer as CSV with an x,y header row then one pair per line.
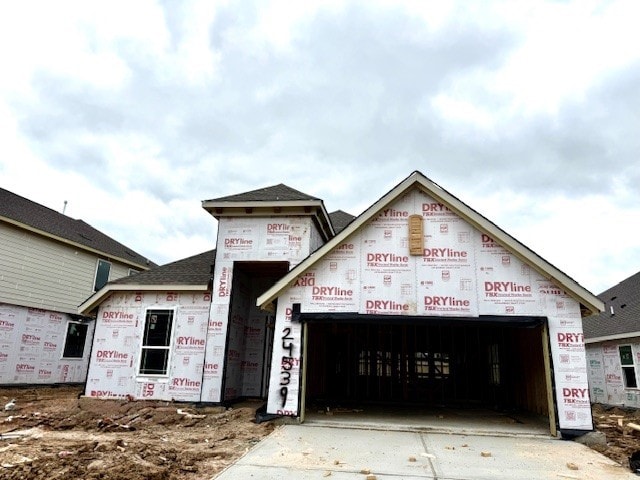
x,y
339,453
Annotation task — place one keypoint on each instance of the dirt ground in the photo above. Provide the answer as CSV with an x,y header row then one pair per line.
x,y
54,434
622,440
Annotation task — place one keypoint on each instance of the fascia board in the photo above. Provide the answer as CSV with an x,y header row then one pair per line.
x,y
607,338
94,300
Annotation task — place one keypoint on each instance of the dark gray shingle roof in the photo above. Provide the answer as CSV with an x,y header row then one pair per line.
x,y
340,220
194,270
625,300
279,192
42,218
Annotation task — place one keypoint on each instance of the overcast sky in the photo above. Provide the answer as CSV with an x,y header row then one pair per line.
x,y
135,112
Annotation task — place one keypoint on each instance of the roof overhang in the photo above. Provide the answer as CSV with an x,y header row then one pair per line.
x,y
276,208
617,336
91,303
590,304
73,244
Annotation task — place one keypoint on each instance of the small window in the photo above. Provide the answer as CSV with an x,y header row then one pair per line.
x,y
156,342
75,340
102,275
628,367
133,272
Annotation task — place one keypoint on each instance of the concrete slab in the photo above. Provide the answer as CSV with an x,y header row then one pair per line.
x,y
304,452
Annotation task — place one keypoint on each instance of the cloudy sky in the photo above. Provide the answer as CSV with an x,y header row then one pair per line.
x,y
135,112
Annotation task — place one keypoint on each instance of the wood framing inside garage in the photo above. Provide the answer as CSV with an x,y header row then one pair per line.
x,y
356,360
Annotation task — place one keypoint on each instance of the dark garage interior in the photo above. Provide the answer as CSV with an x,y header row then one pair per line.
x,y
425,363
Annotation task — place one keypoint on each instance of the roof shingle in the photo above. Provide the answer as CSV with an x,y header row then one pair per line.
x,y
622,310
39,217
194,270
279,192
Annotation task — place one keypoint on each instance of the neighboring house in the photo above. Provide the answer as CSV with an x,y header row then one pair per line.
x,y
612,341
420,300
50,264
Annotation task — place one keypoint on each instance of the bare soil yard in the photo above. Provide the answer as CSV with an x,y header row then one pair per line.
x,y
68,437
54,434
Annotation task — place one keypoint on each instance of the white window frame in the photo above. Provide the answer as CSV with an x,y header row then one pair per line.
x,y
632,365
169,348
66,336
95,275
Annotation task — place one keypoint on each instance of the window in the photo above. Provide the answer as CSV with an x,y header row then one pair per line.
x,y
102,275
628,367
75,340
156,342
133,272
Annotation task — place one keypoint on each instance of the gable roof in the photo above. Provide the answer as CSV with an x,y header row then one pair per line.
x,y
280,192
32,216
277,200
191,273
589,302
340,220
621,316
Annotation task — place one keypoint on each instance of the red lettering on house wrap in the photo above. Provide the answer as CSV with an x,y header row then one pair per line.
x,y
331,293
190,341
509,289
117,315
278,227
447,253
111,355
306,280
25,368
375,306
393,213
448,301
185,382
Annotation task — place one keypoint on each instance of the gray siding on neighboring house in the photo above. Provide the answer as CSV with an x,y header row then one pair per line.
x,y
39,272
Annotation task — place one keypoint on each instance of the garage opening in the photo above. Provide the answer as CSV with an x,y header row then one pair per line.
x,y
250,331
448,363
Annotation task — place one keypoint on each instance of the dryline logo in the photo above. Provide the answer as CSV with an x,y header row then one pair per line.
x,y
4,357
436,302
25,368
387,260
190,341
102,393
44,373
223,285
50,346
575,396
568,340
30,339
385,306
433,209
392,213
119,317
278,228
331,293
506,289
344,247
6,325
111,356
447,254
487,241
233,243
185,383
306,280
